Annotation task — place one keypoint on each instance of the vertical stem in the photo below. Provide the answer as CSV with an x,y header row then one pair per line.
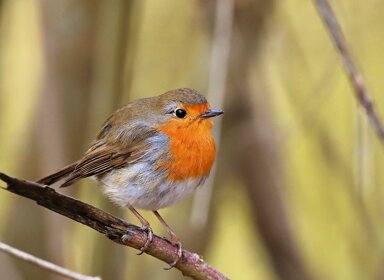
x,y
356,79
216,90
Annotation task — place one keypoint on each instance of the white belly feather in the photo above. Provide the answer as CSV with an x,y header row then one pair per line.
x,y
137,186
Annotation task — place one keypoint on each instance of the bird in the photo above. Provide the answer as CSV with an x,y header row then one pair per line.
x,y
150,154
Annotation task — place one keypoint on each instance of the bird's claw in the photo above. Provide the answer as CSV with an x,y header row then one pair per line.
x,y
149,233
179,254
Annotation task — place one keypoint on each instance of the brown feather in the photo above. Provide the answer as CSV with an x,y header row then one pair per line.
x,y
98,161
104,155
58,175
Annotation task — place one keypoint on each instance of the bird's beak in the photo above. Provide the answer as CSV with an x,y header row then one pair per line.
x,y
210,113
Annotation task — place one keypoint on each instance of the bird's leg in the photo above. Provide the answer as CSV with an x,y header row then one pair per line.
x,y
174,240
145,227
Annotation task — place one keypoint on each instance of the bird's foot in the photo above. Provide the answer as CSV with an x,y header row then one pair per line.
x,y
149,233
144,227
175,242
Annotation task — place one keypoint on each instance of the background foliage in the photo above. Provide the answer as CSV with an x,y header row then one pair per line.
x,y
298,189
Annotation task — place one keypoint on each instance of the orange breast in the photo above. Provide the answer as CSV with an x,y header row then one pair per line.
x,y
192,147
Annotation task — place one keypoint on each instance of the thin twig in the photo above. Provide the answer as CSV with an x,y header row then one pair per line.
x,y
44,264
329,18
216,91
112,227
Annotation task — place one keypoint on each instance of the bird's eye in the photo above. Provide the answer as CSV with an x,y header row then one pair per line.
x,y
180,113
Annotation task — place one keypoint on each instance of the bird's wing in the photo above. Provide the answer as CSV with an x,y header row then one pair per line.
x,y
102,159
105,155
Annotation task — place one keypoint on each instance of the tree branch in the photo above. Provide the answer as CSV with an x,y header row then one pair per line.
x,y
329,18
112,227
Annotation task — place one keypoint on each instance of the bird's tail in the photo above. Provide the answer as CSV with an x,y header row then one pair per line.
x,y
58,175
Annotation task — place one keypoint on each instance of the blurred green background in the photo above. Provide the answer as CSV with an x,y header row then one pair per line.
x,y
298,189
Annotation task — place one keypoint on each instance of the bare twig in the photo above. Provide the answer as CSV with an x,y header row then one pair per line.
x,y
329,18
44,264
114,228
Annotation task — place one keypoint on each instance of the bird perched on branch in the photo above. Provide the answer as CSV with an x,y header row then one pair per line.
x,y
150,154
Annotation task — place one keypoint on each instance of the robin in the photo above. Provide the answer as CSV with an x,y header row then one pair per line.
x,y
150,154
